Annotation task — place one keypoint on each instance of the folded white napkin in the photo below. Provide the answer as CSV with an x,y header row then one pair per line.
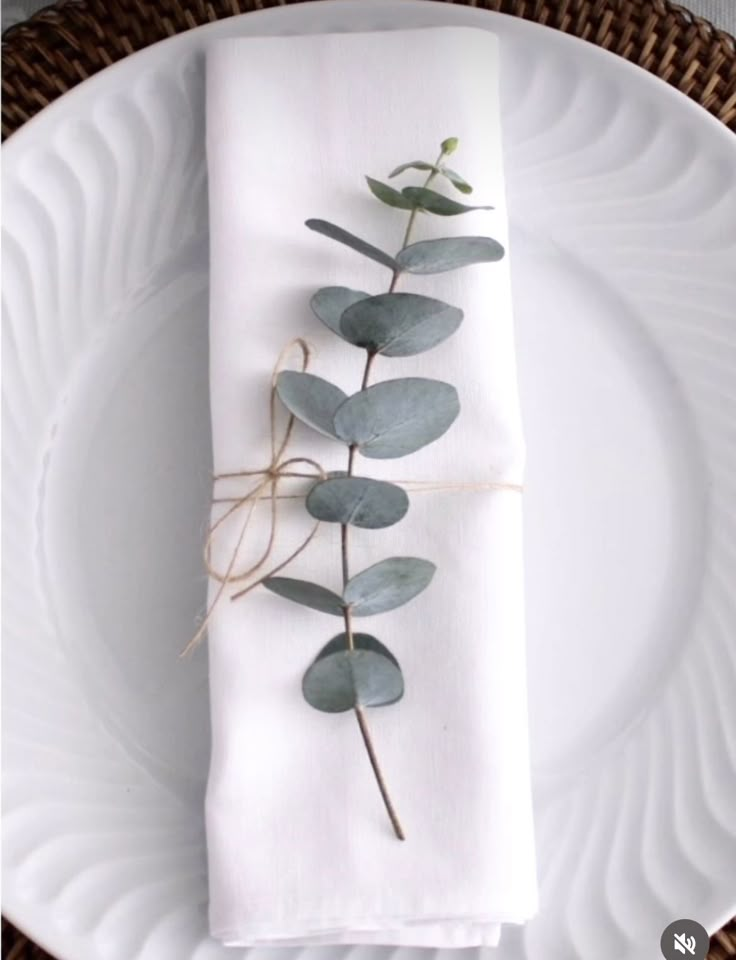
x,y
300,848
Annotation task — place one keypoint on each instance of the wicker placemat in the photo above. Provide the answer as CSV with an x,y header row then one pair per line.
x,y
62,45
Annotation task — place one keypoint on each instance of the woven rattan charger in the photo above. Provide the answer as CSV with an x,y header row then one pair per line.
x,y
64,44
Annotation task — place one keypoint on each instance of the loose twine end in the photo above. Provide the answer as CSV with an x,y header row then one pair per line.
x,y
266,488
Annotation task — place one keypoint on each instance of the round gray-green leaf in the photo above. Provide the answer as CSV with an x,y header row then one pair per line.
x,y
329,304
387,585
307,594
340,679
436,202
448,253
311,399
388,195
397,417
334,232
399,324
359,501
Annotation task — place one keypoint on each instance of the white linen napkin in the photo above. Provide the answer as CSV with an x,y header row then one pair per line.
x,y
300,848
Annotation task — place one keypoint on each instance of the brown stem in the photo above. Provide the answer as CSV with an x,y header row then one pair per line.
x,y
351,458
367,372
359,713
344,535
344,526
347,614
344,546
348,617
393,817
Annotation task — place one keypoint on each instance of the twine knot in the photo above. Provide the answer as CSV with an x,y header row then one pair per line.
x,y
267,488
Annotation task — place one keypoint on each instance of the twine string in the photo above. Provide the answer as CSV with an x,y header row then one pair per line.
x,y
267,487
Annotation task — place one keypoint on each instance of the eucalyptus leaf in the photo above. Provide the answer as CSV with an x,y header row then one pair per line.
x,y
334,232
361,641
308,594
340,679
329,304
387,585
388,195
456,180
359,501
414,165
397,417
399,324
436,202
448,253
311,399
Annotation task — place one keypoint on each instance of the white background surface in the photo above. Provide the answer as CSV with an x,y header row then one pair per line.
x,y
720,12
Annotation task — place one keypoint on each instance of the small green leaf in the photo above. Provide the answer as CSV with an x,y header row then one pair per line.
x,y
449,253
360,501
308,594
334,232
313,400
387,585
388,195
397,417
437,203
329,304
450,145
399,324
340,679
456,180
414,165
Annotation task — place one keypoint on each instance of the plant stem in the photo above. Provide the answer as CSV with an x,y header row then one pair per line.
x,y
412,218
347,613
413,214
367,372
345,567
348,616
344,528
395,822
359,712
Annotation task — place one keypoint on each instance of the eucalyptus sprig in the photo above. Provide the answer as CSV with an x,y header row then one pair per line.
x,y
386,420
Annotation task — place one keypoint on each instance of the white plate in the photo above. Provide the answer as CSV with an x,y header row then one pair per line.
x,y
623,205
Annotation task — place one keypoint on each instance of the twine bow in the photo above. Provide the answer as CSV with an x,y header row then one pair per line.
x,y
268,487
